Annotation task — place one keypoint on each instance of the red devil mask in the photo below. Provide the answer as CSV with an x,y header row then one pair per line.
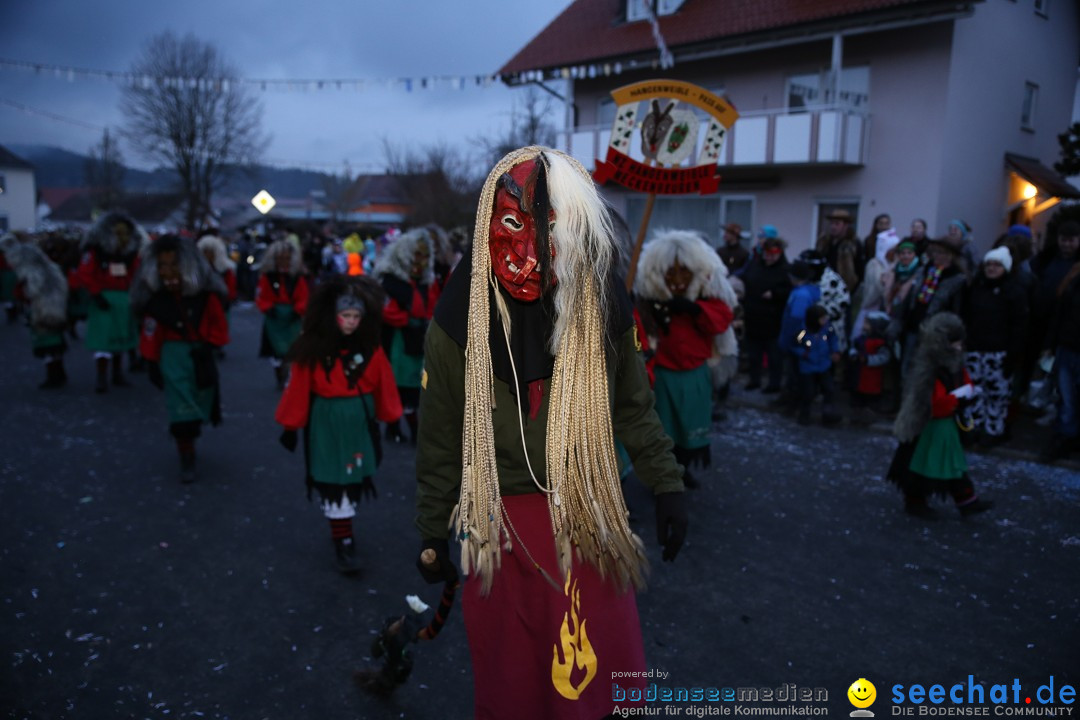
x,y
516,250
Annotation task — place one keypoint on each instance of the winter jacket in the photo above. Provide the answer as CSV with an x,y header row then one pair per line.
x,y
762,317
794,319
995,314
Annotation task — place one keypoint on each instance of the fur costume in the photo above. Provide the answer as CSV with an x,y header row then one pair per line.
x,y
268,263
710,281
934,352
196,276
216,246
397,259
102,237
43,284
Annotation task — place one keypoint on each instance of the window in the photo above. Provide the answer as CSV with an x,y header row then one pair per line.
x,y
1040,7
705,215
1027,113
3,223
3,185
813,91
637,9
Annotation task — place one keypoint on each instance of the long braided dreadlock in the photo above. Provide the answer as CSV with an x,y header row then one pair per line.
x,y
582,483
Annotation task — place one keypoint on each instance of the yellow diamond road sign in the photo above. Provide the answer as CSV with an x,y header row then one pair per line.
x,y
264,202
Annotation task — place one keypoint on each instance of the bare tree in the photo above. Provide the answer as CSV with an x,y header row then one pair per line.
x,y
342,192
530,124
187,110
104,172
439,181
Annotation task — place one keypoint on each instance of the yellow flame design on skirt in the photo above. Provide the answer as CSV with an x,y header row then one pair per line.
x,y
577,651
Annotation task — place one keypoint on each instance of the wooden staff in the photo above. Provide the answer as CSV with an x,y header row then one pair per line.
x,y
631,272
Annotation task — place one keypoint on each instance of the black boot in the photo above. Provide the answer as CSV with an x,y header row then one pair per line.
x,y
102,384
393,431
281,374
118,379
186,446
412,421
136,363
55,377
345,552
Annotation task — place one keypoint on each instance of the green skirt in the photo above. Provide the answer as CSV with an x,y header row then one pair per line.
x,y
185,400
684,404
938,454
407,368
340,450
78,306
8,281
111,329
282,327
46,343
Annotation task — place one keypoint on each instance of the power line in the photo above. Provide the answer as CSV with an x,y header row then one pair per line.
x,y
52,116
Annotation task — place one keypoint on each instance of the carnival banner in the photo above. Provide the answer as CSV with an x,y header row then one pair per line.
x,y
668,132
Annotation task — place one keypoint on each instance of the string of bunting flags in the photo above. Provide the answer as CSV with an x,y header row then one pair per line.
x,y
409,84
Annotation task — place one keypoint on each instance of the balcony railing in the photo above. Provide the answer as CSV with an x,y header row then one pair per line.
x,y
827,136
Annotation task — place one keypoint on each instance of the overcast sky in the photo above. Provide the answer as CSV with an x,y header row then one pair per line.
x,y
368,39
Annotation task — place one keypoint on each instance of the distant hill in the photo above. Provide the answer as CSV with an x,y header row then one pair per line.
x,y
58,168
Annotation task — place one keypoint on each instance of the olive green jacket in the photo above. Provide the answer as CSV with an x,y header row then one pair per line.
x,y
442,409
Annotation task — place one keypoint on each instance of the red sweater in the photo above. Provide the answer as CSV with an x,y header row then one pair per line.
x,y
212,329
99,272
942,405
305,380
273,290
689,340
395,316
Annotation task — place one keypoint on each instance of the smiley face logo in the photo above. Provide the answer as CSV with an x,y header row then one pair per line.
x,y
862,693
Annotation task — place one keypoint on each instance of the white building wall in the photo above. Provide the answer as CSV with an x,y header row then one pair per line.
x,y
18,201
1004,45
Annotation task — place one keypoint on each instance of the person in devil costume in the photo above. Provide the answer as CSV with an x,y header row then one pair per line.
x,y
180,301
532,370
340,386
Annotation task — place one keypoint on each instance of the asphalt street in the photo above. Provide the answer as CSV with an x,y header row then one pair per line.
x,y
128,595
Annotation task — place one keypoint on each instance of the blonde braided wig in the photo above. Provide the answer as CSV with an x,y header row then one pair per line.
x,y
584,497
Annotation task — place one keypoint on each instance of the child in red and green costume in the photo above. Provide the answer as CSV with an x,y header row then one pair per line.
x,y
682,287
341,384
282,297
179,301
108,266
930,459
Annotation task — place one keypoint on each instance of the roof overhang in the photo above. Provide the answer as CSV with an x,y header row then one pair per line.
x,y
1047,180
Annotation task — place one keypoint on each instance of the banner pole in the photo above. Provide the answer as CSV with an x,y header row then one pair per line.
x,y
631,271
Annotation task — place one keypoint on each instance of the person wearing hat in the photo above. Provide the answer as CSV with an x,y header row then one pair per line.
x,y
732,252
936,288
767,286
842,250
995,313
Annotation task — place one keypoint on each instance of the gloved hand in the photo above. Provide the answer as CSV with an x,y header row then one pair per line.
x,y
683,304
442,569
367,489
153,373
288,440
101,301
964,392
671,522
